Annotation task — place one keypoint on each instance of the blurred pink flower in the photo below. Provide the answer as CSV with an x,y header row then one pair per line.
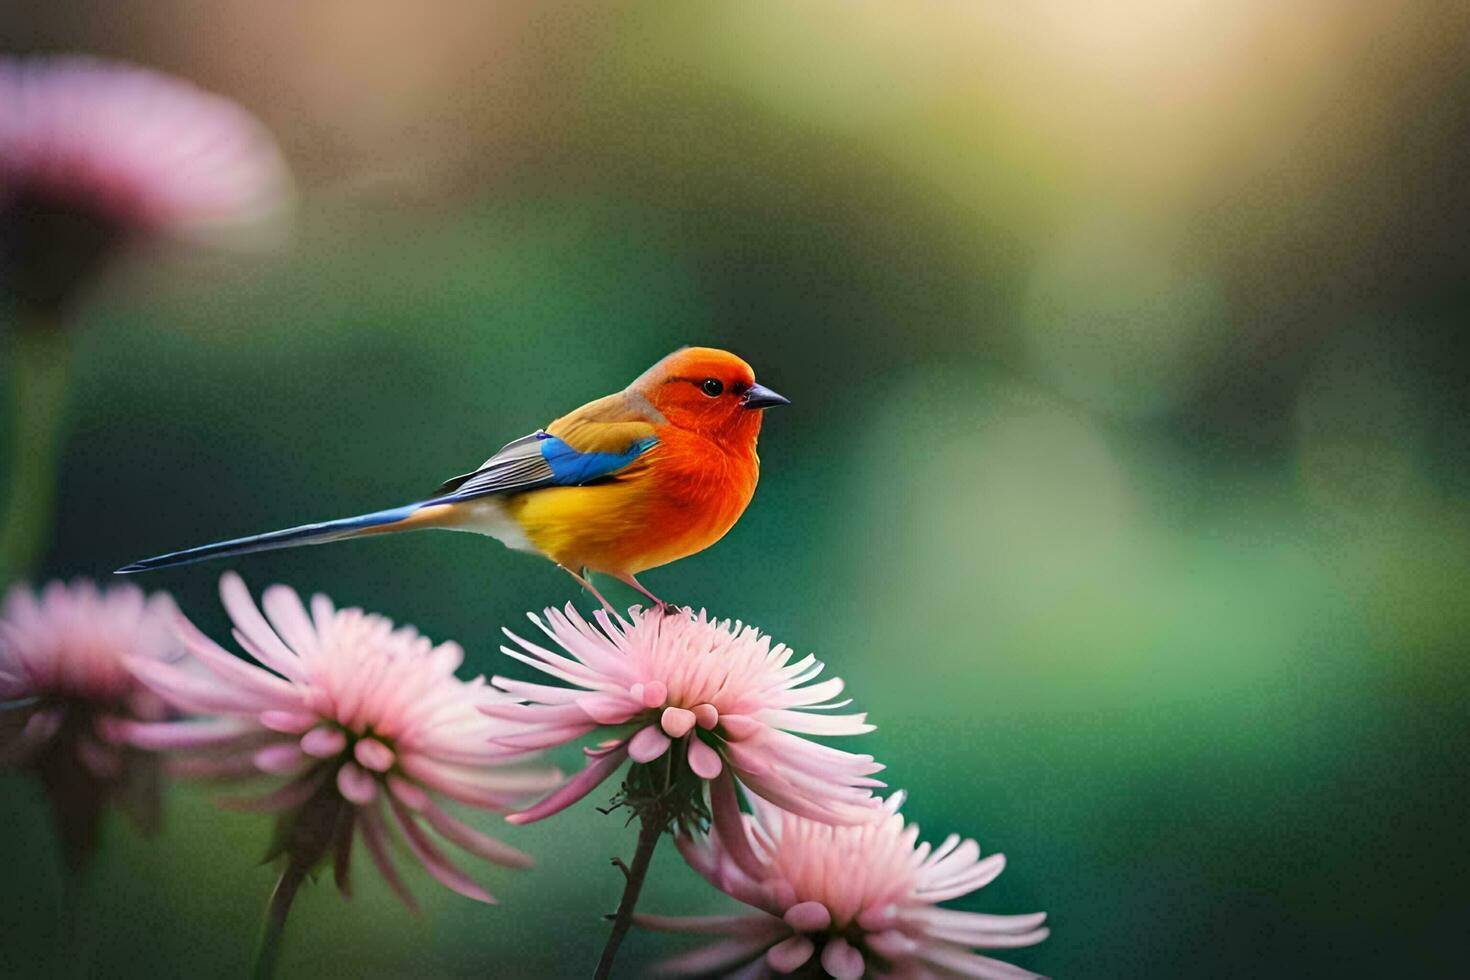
x,y
63,685
862,899
719,693
366,724
135,145
93,151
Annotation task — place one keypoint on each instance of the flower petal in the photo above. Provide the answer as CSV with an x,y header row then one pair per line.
x,y
676,722
714,959
323,742
355,785
472,840
648,744
573,789
159,735
968,964
808,917
841,960
728,822
375,836
373,754
789,954
267,646
703,760
279,758
755,926
433,859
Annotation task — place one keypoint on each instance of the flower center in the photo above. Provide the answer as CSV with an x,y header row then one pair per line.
x,y
326,741
819,941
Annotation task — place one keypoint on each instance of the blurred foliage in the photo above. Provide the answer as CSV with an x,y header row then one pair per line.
x,y
1127,480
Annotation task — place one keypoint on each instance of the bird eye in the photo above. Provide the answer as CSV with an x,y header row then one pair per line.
x,y
712,387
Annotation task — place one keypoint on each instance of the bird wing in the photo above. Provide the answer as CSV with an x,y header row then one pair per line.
x,y
518,465
593,442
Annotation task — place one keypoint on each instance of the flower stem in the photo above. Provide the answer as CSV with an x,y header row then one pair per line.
x,y
649,831
76,937
40,377
275,920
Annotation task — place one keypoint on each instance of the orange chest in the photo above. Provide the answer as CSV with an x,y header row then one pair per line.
x,y
698,493
677,499
695,479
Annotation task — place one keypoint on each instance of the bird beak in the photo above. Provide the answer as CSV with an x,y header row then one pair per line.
x,y
759,396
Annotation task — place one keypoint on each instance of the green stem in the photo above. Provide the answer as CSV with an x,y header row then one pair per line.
x,y
649,831
275,920
41,374
77,938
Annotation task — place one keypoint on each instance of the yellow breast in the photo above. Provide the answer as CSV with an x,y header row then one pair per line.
x,y
666,506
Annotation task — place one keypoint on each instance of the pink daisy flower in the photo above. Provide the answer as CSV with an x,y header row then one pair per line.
x,y
63,683
365,726
93,151
861,899
719,695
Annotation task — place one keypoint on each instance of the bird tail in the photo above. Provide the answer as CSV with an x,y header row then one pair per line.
x,y
406,518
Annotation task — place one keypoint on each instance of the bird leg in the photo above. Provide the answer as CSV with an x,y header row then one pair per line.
x,y
667,608
587,584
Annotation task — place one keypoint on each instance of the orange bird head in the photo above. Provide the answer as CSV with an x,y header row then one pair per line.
x,y
710,392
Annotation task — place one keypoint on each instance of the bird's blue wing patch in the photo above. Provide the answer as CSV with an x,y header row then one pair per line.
x,y
538,460
570,467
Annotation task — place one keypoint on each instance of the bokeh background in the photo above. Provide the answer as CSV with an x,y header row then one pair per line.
x,y
1127,480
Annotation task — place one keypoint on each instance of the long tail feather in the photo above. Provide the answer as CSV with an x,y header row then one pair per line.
x,y
292,537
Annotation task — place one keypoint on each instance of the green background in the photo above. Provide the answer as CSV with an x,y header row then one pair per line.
x,y
1127,479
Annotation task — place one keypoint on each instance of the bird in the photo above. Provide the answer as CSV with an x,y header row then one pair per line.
x,y
638,479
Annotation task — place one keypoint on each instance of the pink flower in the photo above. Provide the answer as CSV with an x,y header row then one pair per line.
x,y
862,899
135,145
92,151
63,684
365,724
719,693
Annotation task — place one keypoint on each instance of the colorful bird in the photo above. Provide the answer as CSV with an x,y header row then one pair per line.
x,y
638,479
